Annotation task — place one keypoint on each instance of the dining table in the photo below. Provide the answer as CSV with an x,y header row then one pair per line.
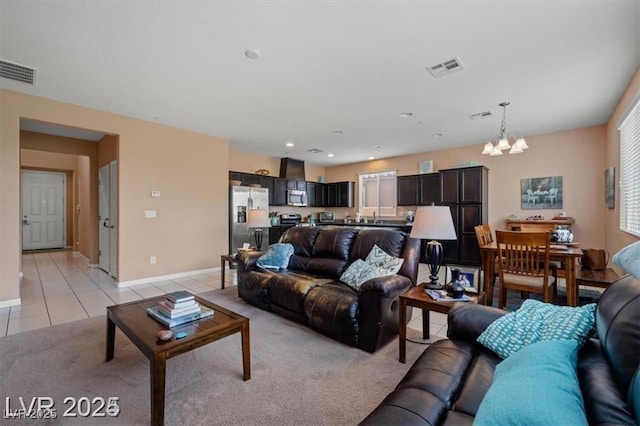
x,y
566,254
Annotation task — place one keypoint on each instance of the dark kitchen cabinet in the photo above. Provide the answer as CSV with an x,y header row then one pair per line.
x,y
311,194
320,195
429,189
299,185
465,191
278,197
235,176
407,190
275,232
340,194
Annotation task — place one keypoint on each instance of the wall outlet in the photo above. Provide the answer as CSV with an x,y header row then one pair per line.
x,y
153,260
150,213
155,194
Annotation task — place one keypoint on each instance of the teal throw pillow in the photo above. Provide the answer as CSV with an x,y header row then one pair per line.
x,y
536,386
628,258
380,259
276,257
359,272
536,321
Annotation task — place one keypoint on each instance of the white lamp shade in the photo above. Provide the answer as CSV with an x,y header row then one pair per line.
x,y
495,151
521,144
258,218
515,150
488,147
503,144
433,223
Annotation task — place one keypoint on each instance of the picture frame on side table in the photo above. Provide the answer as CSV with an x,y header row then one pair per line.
x,y
610,187
472,274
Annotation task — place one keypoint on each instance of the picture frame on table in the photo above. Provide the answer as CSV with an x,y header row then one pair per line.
x,y
472,274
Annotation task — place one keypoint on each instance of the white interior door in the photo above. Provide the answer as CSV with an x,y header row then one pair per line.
x,y
107,209
113,216
104,197
43,210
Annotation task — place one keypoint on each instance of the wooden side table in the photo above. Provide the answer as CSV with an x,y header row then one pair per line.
x,y
231,258
417,298
593,278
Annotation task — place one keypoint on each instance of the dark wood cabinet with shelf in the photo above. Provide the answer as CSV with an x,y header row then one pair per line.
x,y
299,185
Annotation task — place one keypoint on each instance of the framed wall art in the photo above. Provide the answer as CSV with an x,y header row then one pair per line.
x,y
541,193
426,167
610,187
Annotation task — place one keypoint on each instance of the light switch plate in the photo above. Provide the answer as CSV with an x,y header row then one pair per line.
x,y
150,213
155,194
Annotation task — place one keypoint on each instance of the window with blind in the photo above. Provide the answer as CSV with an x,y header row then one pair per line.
x,y
630,169
378,193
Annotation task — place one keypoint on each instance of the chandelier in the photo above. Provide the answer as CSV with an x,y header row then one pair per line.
x,y
503,142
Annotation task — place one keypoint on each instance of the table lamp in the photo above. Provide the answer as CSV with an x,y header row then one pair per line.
x,y
258,219
433,223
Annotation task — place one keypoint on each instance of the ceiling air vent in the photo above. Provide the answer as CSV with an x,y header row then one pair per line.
x,y
446,67
481,115
315,150
17,72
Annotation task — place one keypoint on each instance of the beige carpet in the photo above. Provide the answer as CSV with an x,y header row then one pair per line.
x,y
298,376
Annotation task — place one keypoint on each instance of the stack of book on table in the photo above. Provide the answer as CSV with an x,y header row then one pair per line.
x,y
178,308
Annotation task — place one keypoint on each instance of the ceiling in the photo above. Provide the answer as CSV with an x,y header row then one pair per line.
x,y
327,66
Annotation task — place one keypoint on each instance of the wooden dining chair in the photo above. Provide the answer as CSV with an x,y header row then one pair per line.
x,y
485,236
523,263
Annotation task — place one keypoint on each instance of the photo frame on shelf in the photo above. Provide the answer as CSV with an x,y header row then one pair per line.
x,y
470,273
610,187
426,167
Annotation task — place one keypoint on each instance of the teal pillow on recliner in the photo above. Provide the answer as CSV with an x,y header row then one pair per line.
x,y
536,321
537,385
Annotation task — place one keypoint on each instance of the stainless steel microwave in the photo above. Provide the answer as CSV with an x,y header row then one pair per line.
x,y
296,198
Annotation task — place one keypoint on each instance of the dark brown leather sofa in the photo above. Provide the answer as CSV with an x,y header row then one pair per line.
x,y
309,290
448,381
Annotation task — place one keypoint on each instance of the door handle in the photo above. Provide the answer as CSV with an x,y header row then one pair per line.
x,y
106,223
25,222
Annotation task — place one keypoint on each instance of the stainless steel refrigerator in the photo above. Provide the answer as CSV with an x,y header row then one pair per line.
x,y
241,200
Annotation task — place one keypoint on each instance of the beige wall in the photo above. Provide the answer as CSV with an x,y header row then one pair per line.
x,y
107,150
576,155
616,239
189,169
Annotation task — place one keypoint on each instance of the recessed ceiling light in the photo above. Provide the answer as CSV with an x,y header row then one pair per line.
x,y
437,135
329,155
376,147
406,114
338,132
252,54
289,144
372,158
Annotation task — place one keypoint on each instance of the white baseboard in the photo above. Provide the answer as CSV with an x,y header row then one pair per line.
x,y
148,280
11,302
85,259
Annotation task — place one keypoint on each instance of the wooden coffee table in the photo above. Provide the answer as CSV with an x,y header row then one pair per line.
x,y
141,329
417,298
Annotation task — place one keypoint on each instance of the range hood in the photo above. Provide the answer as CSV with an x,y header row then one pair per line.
x,y
292,169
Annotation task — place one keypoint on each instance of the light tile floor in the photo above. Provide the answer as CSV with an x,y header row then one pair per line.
x,y
59,287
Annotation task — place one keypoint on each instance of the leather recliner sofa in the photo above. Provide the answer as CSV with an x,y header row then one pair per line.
x,y
309,290
447,383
